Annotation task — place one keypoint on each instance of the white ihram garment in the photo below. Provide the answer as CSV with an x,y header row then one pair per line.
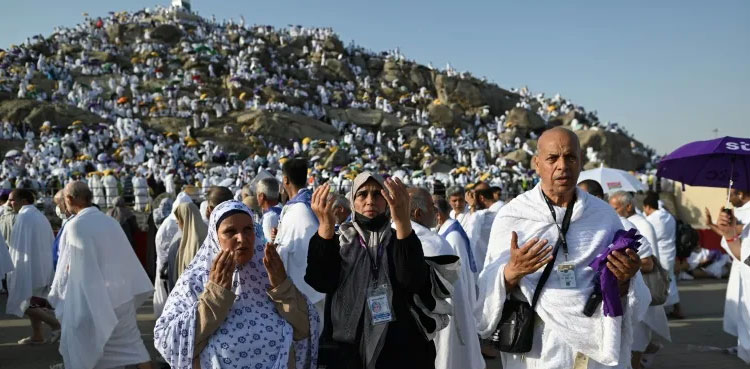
x,y
656,318
31,253
457,346
666,227
98,286
737,303
561,330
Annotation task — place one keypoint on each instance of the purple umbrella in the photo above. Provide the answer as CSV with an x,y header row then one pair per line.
x,y
723,162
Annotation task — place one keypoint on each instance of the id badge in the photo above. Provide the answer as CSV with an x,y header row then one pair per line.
x,y
567,275
380,308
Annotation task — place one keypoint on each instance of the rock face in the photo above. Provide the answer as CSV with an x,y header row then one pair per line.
x,y
520,156
285,125
524,120
167,33
614,149
35,113
369,118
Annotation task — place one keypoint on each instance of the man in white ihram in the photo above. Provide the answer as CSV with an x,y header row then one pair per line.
x,y
98,286
31,254
656,318
563,336
457,345
297,225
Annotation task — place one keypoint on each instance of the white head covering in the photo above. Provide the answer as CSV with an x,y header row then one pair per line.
x,y
253,335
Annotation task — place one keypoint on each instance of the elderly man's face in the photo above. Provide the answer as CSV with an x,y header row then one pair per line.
x,y
458,203
430,216
620,209
15,202
558,162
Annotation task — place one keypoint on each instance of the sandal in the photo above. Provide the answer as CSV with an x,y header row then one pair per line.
x,y
29,341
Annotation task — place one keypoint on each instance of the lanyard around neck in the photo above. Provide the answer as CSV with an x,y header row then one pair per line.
x,y
565,223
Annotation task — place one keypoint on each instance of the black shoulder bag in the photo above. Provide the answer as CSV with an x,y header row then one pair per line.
x,y
515,332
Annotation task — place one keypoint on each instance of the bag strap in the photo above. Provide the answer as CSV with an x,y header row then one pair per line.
x,y
561,241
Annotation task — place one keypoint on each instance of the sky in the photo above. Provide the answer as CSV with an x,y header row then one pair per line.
x,y
670,72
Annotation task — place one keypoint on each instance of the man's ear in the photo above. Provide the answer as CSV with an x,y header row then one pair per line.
x,y
416,214
534,164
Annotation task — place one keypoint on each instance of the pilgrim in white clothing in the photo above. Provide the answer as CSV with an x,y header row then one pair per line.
x,y
297,225
665,227
737,303
656,318
98,286
6,265
197,330
563,335
457,345
31,252
166,237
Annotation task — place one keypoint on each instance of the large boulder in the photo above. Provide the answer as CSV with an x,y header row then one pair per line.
x,y
336,159
520,156
615,150
36,113
285,125
462,91
166,33
498,99
337,70
370,118
125,32
438,166
562,119
524,120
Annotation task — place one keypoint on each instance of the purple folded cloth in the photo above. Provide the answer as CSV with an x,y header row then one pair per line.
x,y
607,281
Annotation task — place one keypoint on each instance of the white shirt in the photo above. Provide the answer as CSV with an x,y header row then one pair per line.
x,y
297,225
457,345
743,213
665,227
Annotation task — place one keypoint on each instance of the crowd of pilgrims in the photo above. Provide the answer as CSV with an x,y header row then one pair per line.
x,y
285,274
273,260
126,83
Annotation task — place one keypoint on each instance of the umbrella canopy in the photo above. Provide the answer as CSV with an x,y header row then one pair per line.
x,y
613,180
711,163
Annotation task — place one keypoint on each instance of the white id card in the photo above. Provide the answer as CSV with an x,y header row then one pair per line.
x,y
567,275
377,301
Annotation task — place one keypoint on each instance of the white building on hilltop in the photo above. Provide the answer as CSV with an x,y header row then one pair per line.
x,y
184,4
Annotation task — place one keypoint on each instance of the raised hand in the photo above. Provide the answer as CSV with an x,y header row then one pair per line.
x,y
727,225
709,220
397,196
274,265
222,269
322,206
526,259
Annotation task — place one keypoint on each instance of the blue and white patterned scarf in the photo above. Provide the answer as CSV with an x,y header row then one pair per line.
x,y
253,336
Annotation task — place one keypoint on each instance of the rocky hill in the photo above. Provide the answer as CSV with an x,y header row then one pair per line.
x,y
164,67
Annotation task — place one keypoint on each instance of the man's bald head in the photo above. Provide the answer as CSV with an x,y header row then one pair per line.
x,y
78,196
217,195
558,163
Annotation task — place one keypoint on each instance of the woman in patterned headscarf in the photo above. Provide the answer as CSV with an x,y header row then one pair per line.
x,y
234,305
